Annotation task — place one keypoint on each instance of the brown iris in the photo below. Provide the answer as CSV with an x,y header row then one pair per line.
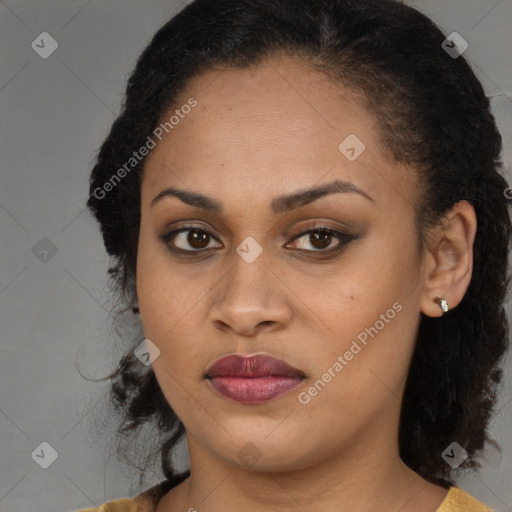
x,y
198,239
322,237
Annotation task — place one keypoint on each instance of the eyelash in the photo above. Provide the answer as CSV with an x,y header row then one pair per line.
x,y
344,239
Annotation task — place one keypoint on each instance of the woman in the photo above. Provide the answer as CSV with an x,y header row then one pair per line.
x,y
303,203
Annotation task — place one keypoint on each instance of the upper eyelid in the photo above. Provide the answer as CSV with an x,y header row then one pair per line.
x,y
303,231
299,232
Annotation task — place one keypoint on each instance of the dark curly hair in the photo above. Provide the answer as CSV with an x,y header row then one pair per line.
x,y
432,115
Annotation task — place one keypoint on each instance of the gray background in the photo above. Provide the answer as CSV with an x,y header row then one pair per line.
x,y
55,314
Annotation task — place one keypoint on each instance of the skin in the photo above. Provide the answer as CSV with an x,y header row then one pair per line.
x,y
257,134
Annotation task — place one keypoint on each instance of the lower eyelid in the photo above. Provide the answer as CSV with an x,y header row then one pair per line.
x,y
343,239
168,237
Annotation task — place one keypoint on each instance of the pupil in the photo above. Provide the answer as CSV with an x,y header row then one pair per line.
x,y
194,239
326,239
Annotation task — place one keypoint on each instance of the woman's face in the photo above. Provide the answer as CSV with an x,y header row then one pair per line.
x,y
341,308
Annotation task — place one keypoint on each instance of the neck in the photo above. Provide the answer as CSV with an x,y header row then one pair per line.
x,y
366,477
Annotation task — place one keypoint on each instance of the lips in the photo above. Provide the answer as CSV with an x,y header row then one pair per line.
x,y
252,379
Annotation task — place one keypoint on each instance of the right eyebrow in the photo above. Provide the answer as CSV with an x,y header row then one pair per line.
x,y
280,204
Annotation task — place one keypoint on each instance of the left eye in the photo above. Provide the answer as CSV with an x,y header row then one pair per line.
x,y
321,237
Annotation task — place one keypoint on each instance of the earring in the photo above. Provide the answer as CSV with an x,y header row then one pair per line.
x,y
442,304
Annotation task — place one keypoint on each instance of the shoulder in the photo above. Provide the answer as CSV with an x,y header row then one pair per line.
x,y
458,500
144,502
124,505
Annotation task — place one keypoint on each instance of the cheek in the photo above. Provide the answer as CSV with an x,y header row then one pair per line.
x,y
170,300
158,295
376,273
369,313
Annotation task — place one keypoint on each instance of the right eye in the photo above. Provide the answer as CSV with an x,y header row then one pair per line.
x,y
181,240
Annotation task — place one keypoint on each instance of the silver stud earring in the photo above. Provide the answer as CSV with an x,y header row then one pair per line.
x,y
442,304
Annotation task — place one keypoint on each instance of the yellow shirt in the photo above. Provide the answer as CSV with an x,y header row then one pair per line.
x,y
456,500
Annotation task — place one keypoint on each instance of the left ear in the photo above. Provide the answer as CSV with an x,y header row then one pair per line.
x,y
449,259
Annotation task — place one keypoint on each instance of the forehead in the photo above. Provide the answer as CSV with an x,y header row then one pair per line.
x,y
278,125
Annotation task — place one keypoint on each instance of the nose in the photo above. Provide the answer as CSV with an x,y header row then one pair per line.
x,y
250,299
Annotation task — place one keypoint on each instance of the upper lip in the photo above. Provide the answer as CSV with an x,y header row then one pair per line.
x,y
258,365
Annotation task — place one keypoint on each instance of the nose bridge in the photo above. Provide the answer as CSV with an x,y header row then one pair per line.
x,y
248,296
248,277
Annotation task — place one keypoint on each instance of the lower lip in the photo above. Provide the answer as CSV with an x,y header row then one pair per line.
x,y
254,390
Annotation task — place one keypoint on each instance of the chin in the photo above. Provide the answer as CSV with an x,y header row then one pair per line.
x,y
260,452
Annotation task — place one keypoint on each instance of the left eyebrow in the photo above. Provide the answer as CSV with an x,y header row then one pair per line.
x,y
280,204
303,197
